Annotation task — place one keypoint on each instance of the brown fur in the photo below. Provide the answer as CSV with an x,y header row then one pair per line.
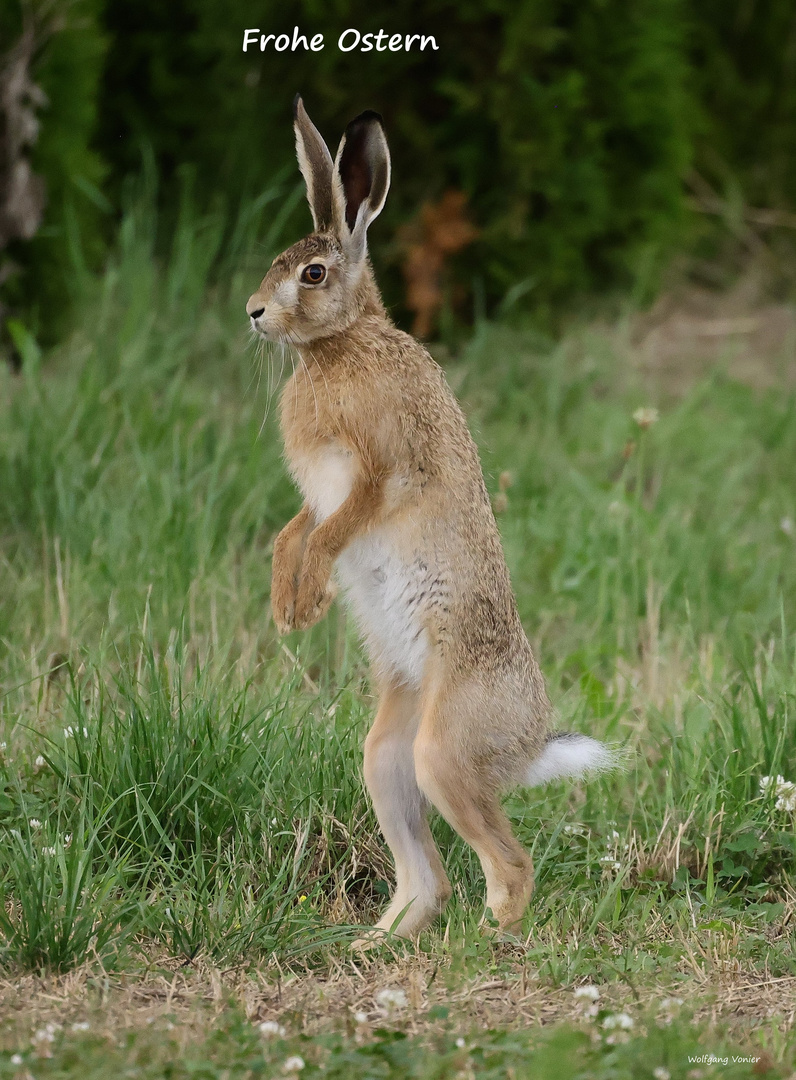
x,y
396,498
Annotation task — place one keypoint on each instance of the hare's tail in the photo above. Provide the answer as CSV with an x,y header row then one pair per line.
x,y
568,754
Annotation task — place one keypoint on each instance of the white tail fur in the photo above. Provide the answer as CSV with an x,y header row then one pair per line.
x,y
570,755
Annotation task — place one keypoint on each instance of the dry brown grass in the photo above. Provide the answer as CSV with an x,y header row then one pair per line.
x,y
713,985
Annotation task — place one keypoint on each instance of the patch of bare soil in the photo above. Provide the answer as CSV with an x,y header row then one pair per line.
x,y
691,330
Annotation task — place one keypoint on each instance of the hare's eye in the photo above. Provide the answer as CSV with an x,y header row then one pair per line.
x,y
313,274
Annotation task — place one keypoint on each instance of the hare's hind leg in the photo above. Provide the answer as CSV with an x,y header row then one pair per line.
x,y
467,794
422,886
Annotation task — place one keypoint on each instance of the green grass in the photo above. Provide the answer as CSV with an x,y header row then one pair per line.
x,y
235,1049
197,781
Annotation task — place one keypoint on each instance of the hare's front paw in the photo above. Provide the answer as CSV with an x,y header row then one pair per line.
x,y
312,602
283,605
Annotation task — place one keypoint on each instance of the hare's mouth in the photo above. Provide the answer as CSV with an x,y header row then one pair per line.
x,y
281,334
269,331
263,332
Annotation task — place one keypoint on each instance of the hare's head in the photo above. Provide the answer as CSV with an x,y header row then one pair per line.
x,y
323,283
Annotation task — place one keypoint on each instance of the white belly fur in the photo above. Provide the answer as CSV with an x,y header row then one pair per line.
x,y
381,592
379,586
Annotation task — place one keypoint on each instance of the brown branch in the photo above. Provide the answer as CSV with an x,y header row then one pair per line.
x,y
707,201
22,192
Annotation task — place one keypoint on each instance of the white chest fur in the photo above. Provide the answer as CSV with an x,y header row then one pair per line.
x,y
383,591
325,478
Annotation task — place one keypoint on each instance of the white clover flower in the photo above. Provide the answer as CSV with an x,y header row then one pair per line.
x,y
16,1059
668,1007
45,1034
786,798
391,999
767,781
788,526
39,763
81,1025
461,1043
575,830
587,997
67,839
660,1073
270,1028
361,1017
293,1064
48,851
34,823
646,417
618,1020
784,791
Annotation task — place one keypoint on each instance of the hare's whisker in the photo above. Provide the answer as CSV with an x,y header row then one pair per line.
x,y
256,342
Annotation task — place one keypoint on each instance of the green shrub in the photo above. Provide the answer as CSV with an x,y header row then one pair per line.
x,y
744,60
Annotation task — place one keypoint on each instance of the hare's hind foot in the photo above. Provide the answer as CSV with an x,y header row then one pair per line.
x,y
509,886
403,920
467,796
406,917
371,939
422,888
509,891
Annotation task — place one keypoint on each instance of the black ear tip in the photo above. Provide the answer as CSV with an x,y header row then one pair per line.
x,y
367,117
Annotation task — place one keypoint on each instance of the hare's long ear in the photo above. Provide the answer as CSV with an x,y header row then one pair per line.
x,y
316,166
361,180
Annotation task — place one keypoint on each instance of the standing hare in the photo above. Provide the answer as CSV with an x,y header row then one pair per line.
x,y
395,505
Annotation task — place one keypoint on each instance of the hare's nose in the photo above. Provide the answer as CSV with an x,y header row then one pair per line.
x,y
254,308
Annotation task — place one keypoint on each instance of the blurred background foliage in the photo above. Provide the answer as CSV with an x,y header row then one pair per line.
x,y
577,130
